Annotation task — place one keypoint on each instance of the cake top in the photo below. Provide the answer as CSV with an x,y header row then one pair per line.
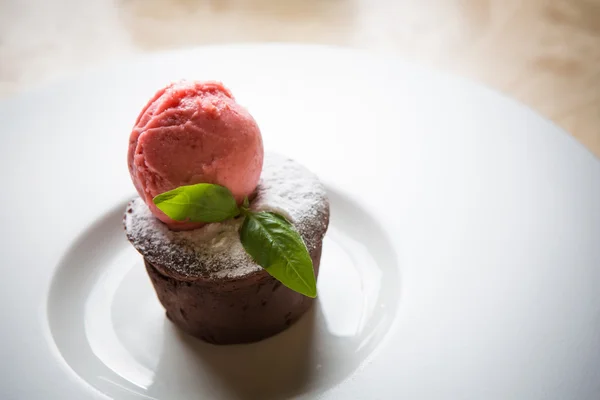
x,y
214,251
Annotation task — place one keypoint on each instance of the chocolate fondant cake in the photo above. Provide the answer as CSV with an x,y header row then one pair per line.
x,y
209,286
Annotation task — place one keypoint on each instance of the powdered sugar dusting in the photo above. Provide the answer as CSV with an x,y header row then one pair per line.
x,y
215,251
289,189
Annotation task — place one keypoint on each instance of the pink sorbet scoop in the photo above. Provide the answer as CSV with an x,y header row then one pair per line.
x,y
194,132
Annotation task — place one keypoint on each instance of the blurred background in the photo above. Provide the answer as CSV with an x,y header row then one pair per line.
x,y
545,53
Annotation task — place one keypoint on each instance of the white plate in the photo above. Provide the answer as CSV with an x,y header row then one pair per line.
x,y
463,260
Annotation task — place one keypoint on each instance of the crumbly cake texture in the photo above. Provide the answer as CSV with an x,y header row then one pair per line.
x,y
214,252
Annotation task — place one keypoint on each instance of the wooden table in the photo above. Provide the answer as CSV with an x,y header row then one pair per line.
x,y
545,53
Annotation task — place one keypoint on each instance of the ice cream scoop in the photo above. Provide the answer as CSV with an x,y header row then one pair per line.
x,y
194,132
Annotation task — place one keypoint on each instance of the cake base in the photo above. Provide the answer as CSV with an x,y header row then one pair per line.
x,y
231,311
209,285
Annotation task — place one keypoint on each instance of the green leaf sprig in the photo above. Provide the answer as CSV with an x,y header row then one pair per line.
x,y
270,239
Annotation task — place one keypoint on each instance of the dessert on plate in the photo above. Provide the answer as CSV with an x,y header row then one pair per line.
x,y
231,237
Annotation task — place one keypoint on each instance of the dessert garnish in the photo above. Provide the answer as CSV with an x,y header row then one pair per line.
x,y
268,237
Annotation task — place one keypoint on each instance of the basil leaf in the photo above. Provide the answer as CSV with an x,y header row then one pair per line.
x,y
203,202
276,246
